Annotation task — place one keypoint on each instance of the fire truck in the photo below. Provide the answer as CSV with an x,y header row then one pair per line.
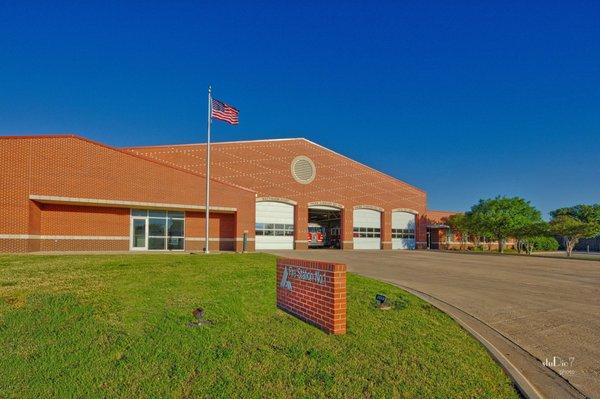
x,y
321,237
316,235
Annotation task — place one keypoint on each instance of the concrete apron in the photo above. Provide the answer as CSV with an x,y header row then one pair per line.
x,y
531,377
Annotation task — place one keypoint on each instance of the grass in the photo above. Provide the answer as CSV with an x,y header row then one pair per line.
x,y
116,326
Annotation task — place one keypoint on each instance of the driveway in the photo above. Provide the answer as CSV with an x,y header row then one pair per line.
x,y
549,307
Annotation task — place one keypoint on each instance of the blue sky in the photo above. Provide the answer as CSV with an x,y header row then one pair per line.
x,y
466,100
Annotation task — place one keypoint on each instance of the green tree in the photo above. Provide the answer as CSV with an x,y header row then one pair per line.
x,y
575,223
459,223
502,216
583,213
476,229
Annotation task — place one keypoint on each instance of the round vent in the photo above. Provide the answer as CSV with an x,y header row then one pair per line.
x,y
303,169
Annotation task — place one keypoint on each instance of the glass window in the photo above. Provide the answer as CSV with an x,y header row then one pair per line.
x,y
259,232
166,230
156,227
175,228
260,226
175,243
156,243
157,214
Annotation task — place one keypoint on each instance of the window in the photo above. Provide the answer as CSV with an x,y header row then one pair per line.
x,y
366,232
267,229
403,233
161,230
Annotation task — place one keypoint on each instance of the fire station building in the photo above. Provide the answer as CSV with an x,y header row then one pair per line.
x,y
68,193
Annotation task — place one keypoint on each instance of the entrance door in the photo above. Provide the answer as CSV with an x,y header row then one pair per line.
x,y
139,234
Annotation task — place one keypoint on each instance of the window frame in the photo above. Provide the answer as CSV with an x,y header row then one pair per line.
x,y
138,214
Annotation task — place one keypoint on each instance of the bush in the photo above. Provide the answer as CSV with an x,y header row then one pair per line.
x,y
545,244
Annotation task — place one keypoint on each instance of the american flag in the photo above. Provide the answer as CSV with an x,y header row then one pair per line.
x,y
224,112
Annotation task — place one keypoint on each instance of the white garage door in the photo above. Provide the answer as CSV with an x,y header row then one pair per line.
x,y
367,229
274,225
403,230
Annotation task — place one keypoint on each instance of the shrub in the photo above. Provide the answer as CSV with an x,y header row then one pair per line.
x,y
545,244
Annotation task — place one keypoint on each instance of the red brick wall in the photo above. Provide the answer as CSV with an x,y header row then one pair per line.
x,y
70,166
323,305
221,227
264,166
58,219
439,217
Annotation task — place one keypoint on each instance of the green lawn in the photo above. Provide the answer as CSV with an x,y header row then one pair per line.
x,y
116,326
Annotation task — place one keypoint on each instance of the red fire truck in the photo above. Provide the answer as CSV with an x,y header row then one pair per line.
x,y
321,237
316,235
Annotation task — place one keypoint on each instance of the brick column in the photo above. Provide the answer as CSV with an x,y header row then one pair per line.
x,y
347,226
300,226
421,232
386,229
245,223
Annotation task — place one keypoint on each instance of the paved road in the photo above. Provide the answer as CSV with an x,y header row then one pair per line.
x,y
550,307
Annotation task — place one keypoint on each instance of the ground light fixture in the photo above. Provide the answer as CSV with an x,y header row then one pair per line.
x,y
382,302
200,321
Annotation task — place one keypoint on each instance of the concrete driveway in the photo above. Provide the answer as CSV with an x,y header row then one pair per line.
x,y
549,307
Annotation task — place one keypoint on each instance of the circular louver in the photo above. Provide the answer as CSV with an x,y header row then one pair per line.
x,y
303,169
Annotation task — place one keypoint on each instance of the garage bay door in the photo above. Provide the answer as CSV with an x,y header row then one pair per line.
x,y
274,225
367,229
403,230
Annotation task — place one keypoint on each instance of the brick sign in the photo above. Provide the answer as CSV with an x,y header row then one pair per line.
x,y
314,292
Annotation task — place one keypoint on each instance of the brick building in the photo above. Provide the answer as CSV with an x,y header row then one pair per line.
x,y
64,192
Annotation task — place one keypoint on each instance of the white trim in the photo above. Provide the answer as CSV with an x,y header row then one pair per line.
x,y
325,203
15,236
301,241
237,239
58,237
276,199
407,210
371,207
124,204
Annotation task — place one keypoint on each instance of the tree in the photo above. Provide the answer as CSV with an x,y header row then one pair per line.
x,y
583,213
528,235
502,216
575,223
459,223
477,229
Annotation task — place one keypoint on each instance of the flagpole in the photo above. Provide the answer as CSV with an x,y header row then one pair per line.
x,y
206,250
